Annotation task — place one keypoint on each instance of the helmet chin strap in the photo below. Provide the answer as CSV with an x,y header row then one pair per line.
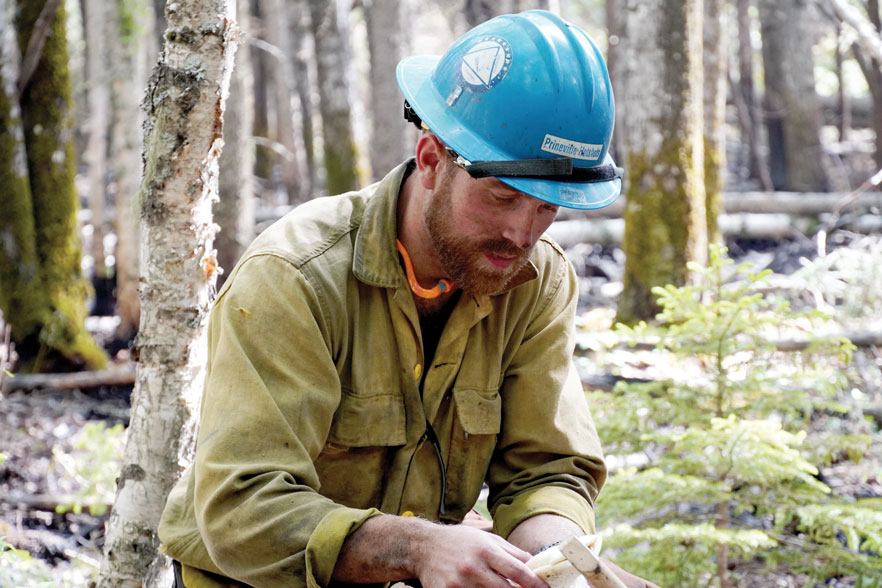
x,y
441,287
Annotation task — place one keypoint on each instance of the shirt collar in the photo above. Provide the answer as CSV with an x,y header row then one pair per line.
x,y
375,259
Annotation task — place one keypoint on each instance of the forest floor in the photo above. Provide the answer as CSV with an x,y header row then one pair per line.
x,y
42,434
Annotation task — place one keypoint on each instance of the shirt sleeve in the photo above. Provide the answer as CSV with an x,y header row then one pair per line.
x,y
270,397
548,458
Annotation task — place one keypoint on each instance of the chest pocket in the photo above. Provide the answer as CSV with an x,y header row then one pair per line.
x,y
369,421
477,422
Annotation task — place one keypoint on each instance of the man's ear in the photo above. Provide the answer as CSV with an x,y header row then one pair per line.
x,y
431,157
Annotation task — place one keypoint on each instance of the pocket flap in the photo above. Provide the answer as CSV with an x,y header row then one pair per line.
x,y
369,421
479,411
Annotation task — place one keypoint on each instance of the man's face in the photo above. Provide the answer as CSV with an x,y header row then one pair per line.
x,y
482,230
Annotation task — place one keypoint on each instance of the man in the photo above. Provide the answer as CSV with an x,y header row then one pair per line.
x,y
377,356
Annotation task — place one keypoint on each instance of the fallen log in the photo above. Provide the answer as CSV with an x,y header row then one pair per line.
x,y
859,338
792,203
123,375
609,231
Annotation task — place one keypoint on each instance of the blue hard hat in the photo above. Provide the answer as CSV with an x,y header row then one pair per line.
x,y
525,98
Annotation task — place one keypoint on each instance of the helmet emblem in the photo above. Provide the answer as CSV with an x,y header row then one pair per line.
x,y
485,63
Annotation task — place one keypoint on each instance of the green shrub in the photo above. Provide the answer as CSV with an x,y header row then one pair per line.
x,y
724,469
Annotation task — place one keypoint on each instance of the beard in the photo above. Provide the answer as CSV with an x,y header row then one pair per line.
x,y
463,257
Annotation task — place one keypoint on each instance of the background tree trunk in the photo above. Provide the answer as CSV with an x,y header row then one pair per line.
x,y
302,56
234,213
391,136
793,117
716,75
96,147
871,65
745,99
130,28
59,337
185,102
875,82
281,96
660,121
333,53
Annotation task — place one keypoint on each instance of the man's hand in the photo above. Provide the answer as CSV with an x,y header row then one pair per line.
x,y
460,555
542,530
388,548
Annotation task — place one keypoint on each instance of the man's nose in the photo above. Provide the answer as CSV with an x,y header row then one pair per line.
x,y
521,227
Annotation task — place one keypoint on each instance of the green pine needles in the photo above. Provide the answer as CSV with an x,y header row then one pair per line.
x,y
721,461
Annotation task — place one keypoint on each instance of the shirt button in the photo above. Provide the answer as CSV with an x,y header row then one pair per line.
x,y
417,371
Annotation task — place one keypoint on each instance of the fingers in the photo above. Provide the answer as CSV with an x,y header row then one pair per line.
x,y
466,557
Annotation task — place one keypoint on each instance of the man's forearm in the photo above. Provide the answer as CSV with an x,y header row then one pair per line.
x,y
385,548
543,530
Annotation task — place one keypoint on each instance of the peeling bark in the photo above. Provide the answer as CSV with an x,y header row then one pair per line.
x,y
185,103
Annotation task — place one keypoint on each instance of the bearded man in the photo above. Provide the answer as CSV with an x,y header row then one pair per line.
x,y
379,356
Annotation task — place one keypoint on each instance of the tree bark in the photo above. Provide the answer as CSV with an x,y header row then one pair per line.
x,y
59,336
185,103
333,54
659,73
234,212
793,117
392,138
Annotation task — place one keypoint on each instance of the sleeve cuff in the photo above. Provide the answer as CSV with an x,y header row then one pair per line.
x,y
544,500
326,541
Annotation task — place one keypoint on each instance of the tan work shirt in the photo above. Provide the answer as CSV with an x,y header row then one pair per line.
x,y
317,399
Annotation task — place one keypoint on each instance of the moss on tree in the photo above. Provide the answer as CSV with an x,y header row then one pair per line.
x,y
58,337
20,289
661,226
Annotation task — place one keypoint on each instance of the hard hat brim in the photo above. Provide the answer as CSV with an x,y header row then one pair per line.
x,y
414,74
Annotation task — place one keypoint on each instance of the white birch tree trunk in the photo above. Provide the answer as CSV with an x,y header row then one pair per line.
x,y
185,102
392,137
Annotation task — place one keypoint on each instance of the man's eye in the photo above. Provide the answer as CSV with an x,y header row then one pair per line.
x,y
503,199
